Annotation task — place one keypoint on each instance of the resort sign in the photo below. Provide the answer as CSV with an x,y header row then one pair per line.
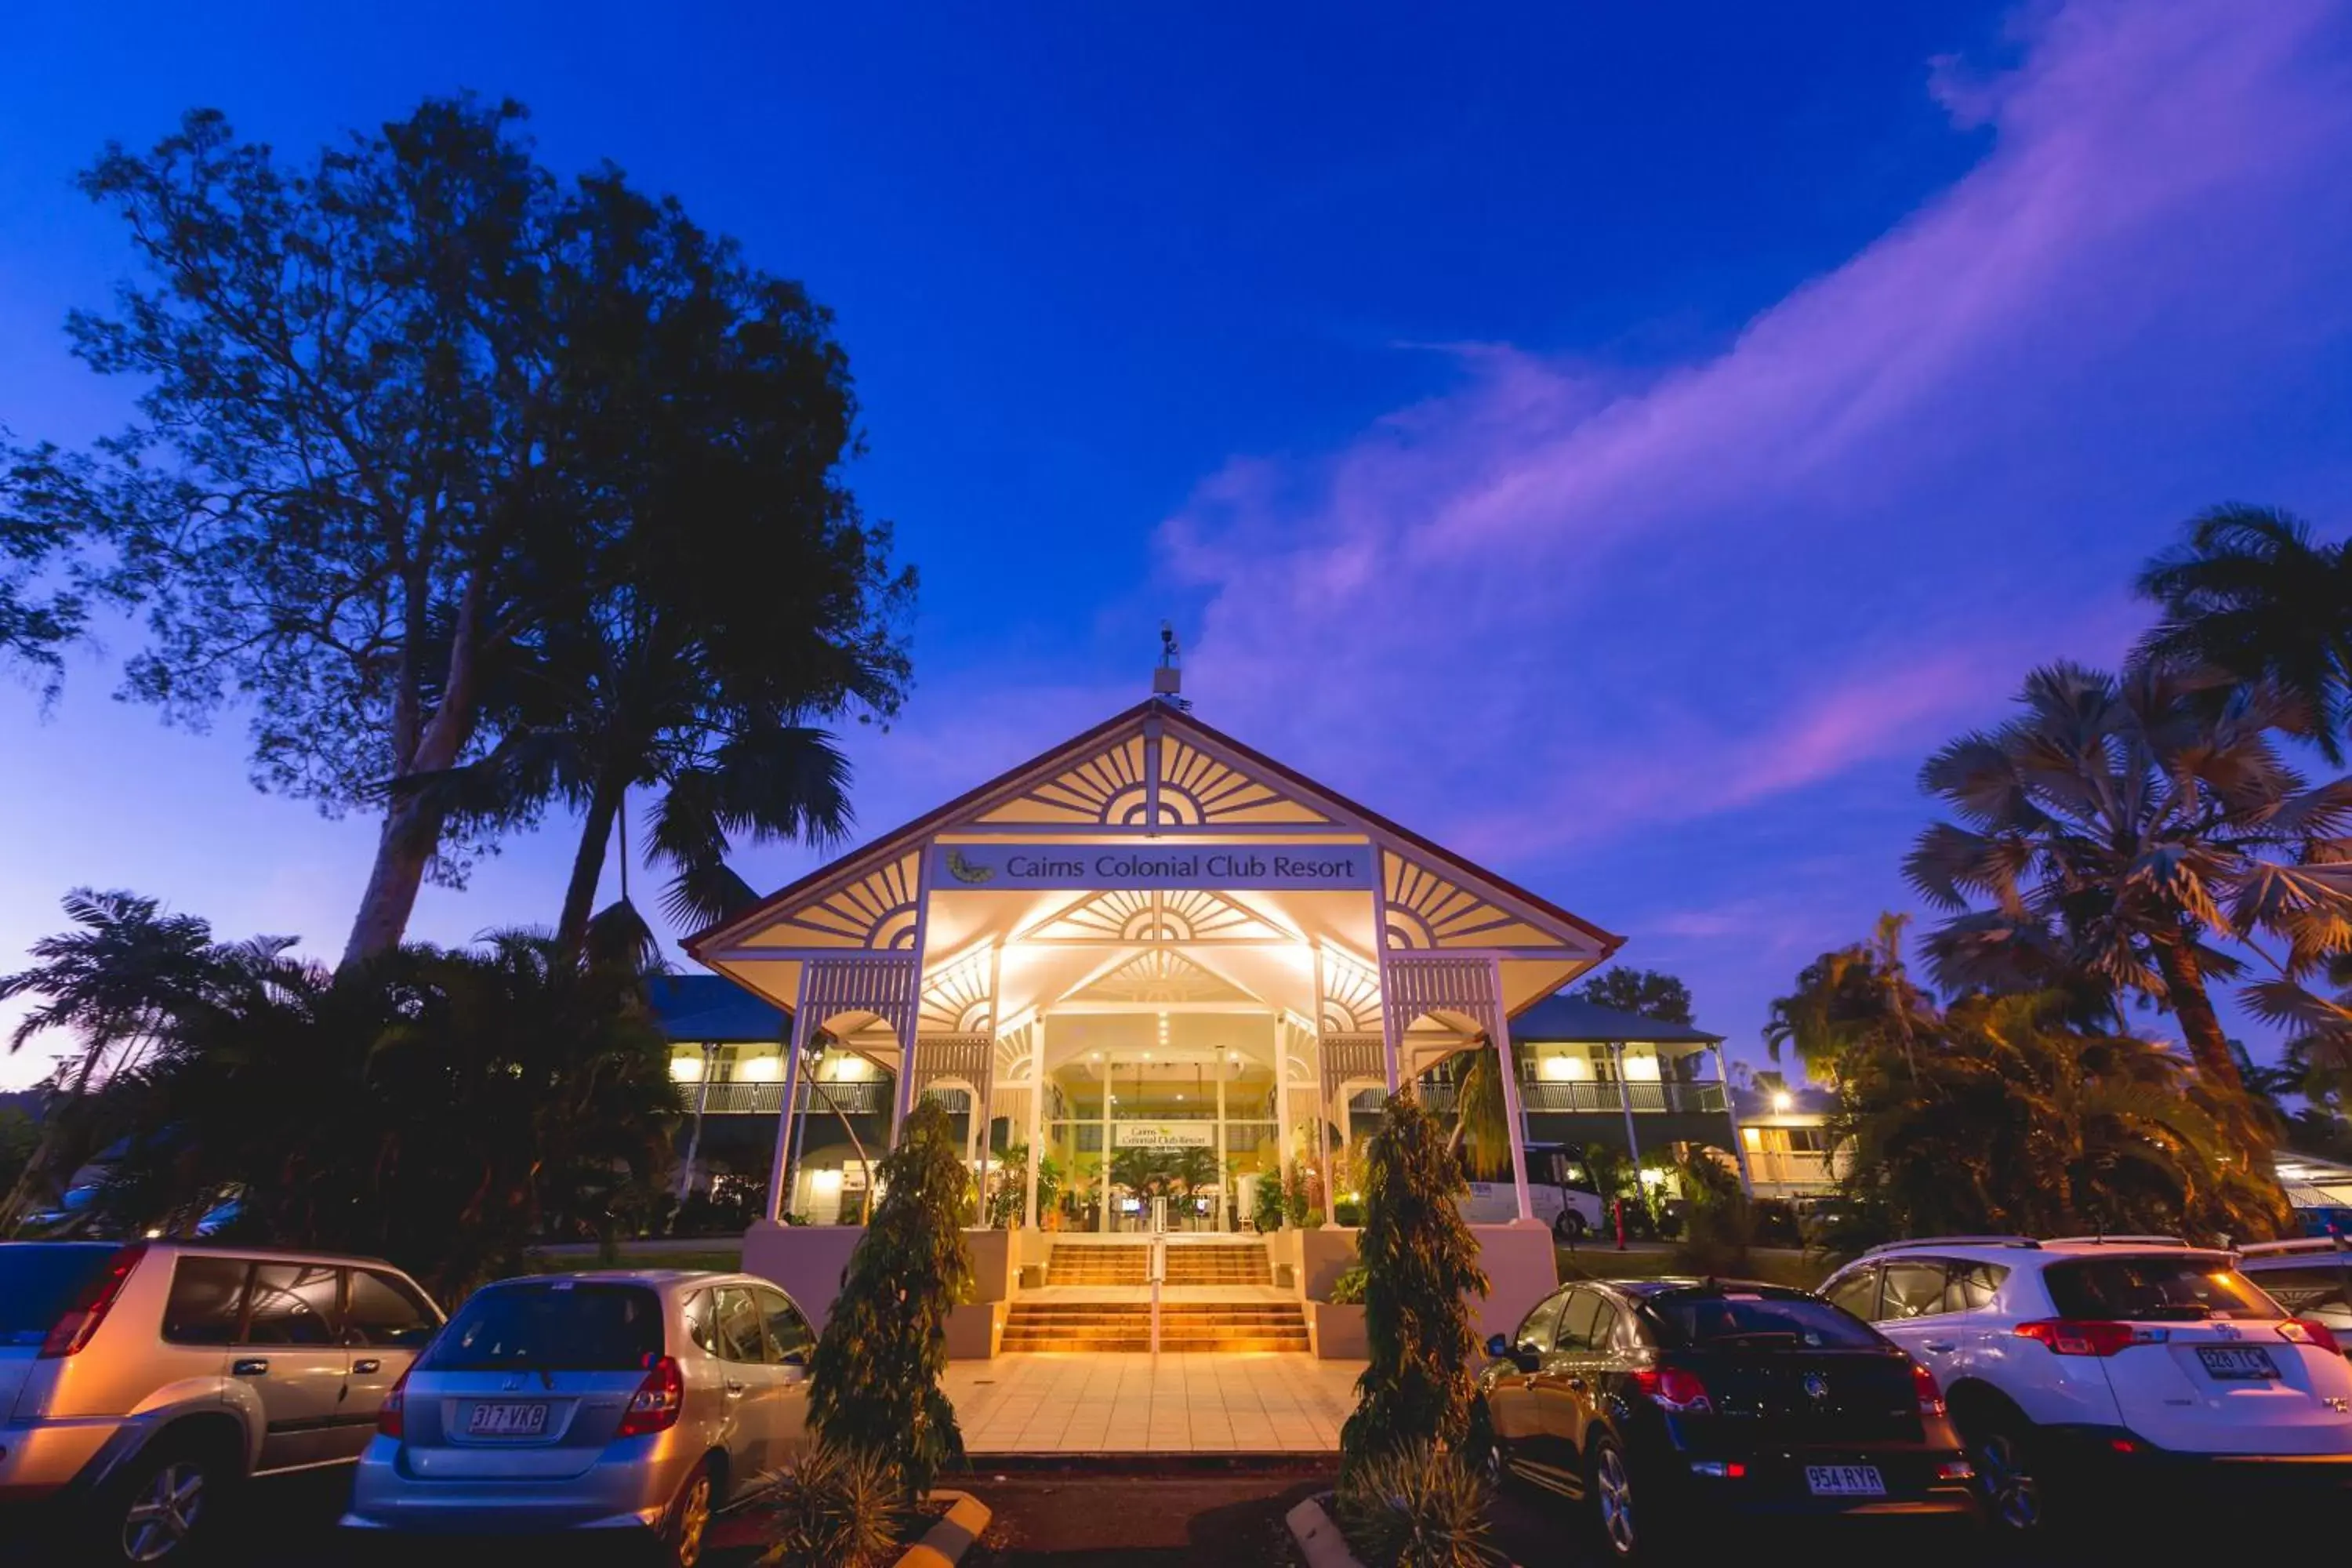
x,y
1020,868
1163,1136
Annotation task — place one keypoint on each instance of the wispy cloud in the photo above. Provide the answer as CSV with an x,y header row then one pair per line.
x,y
1671,644
1822,540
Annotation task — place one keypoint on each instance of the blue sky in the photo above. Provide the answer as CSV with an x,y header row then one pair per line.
x,y
1621,441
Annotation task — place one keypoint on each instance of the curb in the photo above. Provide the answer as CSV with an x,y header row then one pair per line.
x,y
1152,1461
952,1537
1320,1540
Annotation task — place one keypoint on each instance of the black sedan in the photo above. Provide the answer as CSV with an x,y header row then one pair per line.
x,y
1666,1404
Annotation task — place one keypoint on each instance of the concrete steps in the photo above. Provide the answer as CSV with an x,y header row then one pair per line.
x,y
1240,1264
1114,1264
1185,1326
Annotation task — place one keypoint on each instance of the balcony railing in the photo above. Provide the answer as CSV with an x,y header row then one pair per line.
x,y
1645,1096
868,1097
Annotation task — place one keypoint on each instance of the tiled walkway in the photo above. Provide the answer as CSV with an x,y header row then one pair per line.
x,y
1124,1403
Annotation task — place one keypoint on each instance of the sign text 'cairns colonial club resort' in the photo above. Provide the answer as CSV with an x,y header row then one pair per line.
x,y
1015,868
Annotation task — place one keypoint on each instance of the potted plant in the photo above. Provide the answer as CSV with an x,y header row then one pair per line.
x,y
1339,1318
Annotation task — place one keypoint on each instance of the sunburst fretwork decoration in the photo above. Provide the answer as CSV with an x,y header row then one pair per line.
x,y
876,911
1426,910
1137,915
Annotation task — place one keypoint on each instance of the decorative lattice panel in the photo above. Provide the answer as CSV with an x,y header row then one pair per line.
x,y
882,985
967,1058
1349,1058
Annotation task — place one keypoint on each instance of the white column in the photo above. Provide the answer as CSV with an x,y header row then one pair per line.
x,y
1626,1098
702,1103
1284,1161
1392,1031
780,1167
1036,1112
1224,1179
1102,1185
1512,1111
1731,1114
1323,1090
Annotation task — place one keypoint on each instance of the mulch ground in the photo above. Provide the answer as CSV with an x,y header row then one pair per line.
x,y
1096,1519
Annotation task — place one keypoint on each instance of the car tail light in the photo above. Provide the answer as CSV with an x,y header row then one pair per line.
x,y
391,1415
1673,1388
655,1406
2304,1331
73,1331
2073,1336
1923,1384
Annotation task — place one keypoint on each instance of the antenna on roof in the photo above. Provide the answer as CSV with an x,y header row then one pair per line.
x,y
1168,680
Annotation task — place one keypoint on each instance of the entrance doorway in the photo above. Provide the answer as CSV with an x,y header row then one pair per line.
x,y
1161,1116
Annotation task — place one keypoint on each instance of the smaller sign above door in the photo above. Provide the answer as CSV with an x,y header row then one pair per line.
x,y
1163,1136
1017,868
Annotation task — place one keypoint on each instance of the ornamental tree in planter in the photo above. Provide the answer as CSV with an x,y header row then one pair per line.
x,y
873,1383
1419,1263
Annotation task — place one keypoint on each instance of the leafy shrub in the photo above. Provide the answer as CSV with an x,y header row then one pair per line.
x,y
838,1508
1416,1506
1346,1211
1420,1261
1347,1289
1266,1207
874,1382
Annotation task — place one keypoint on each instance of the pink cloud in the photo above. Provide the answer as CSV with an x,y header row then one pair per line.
x,y
1553,604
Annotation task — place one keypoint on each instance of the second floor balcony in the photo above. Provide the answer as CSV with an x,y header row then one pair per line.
x,y
1645,1096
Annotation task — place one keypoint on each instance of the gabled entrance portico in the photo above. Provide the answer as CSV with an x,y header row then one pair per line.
x,y
1156,958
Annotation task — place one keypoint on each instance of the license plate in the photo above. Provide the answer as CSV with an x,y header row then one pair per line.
x,y
507,1420
2238,1363
1844,1480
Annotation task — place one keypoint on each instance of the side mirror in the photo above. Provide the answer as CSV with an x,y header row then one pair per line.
x,y
1499,1346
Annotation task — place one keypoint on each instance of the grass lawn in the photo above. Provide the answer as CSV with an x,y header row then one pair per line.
x,y
1772,1265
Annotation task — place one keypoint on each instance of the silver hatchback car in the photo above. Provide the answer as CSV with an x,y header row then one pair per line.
x,y
633,1401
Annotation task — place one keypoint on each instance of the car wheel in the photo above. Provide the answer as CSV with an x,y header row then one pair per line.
x,y
689,1519
1569,1226
2015,1494
1495,1466
1610,1487
160,1509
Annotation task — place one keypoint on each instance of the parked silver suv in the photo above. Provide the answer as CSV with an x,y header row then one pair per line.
x,y
139,1382
640,1401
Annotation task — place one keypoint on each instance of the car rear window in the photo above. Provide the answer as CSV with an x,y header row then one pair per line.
x,y
2155,1288
1733,1317
38,1281
557,1326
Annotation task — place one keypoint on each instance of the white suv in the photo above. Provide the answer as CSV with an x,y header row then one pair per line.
x,y
2070,1363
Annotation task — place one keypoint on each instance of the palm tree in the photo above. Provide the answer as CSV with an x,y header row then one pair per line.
x,y
444,1109
2031,1125
2119,829
637,701
1847,1000
2251,593
116,982
1481,1119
